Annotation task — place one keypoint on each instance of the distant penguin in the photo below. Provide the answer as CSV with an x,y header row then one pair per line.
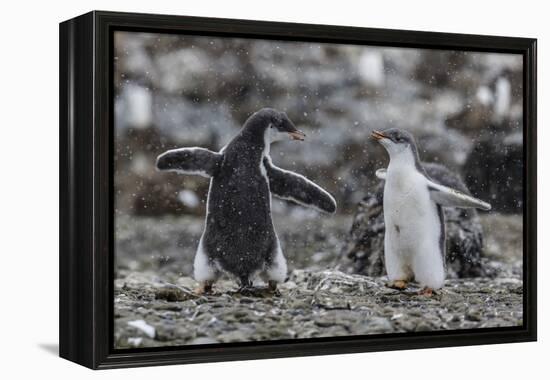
x,y
239,238
414,241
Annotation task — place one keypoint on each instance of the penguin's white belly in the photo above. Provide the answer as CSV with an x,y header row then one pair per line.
x,y
409,212
413,229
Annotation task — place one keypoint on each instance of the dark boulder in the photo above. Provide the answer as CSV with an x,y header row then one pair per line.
x,y
495,171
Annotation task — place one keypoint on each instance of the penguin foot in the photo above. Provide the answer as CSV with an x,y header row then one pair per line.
x,y
246,289
260,292
428,292
245,284
204,288
272,288
398,284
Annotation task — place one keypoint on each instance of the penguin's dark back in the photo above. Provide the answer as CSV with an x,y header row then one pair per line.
x,y
239,231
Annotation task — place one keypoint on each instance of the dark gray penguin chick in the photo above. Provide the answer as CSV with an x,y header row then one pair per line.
x,y
239,238
414,241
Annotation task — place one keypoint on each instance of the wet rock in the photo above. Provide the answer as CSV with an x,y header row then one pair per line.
x,y
331,302
143,327
473,315
174,294
423,327
378,325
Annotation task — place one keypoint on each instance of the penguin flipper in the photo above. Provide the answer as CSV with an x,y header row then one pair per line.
x,y
294,187
197,161
446,196
381,174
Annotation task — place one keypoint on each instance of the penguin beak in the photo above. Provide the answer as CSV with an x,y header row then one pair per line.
x,y
297,135
377,135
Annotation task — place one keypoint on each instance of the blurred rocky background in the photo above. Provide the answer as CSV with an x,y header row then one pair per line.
x,y
464,108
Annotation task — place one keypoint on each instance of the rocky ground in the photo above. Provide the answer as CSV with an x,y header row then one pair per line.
x,y
155,304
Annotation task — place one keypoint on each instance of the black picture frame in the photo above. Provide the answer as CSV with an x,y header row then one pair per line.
x,y
86,188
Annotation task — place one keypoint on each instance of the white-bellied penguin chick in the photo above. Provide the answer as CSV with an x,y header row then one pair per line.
x,y
414,241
